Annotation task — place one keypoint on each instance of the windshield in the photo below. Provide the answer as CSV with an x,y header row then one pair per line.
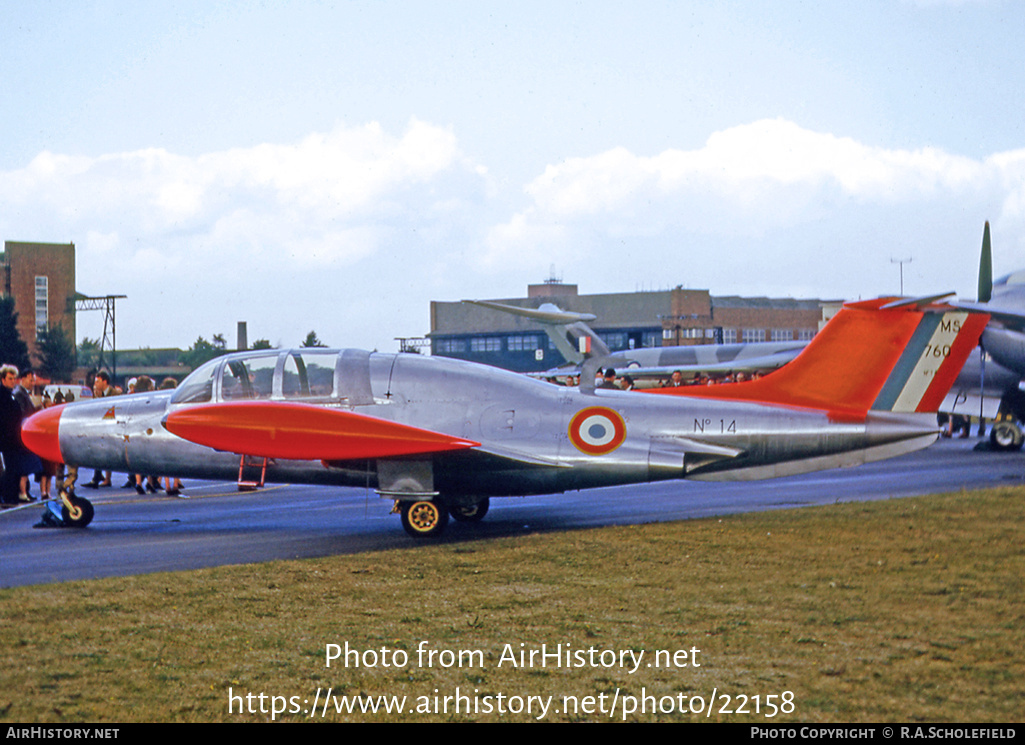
x,y
197,387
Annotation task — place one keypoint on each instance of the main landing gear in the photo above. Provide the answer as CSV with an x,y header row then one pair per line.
x,y
1006,435
423,519
428,518
471,513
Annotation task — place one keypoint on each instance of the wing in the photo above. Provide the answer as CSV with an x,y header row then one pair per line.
x,y
295,431
762,364
749,360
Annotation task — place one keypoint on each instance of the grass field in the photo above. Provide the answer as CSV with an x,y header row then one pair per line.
x,y
904,610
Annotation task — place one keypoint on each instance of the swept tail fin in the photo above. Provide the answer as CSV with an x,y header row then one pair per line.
x,y
569,332
986,267
881,354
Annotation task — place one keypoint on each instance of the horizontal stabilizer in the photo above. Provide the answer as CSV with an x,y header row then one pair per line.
x,y
697,447
820,463
294,431
915,302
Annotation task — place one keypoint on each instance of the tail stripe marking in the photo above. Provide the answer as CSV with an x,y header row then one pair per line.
x,y
968,338
915,372
906,365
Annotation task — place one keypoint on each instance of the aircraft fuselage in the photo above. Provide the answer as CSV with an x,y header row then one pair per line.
x,y
534,437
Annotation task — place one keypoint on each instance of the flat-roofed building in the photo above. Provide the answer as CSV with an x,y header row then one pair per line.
x,y
629,320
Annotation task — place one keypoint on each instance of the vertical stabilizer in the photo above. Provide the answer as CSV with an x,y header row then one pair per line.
x,y
882,355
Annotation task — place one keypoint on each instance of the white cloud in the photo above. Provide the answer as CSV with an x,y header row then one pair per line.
x,y
252,223
345,174
766,189
352,232
1010,186
101,243
748,167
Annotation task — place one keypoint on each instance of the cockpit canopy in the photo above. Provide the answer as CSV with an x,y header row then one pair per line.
x,y
307,374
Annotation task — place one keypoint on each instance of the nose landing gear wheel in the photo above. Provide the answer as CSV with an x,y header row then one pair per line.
x,y
424,519
79,515
471,513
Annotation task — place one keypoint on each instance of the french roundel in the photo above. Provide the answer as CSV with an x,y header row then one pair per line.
x,y
597,430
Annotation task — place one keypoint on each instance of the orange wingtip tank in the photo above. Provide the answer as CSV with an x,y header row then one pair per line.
x,y
295,431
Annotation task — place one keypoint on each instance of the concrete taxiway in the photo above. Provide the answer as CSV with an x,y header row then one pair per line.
x,y
218,525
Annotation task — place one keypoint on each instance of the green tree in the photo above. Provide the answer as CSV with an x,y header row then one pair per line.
x,y
89,352
56,354
312,340
201,351
262,344
13,350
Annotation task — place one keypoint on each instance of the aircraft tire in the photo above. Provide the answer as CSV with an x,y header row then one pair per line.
x,y
424,519
80,515
470,513
1006,436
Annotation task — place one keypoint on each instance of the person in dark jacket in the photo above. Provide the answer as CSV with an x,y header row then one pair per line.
x,y
10,434
28,462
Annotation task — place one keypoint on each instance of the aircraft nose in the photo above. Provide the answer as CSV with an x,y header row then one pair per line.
x,y
39,434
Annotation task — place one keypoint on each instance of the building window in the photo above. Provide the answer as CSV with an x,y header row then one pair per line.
x,y
693,333
450,346
486,344
42,304
805,334
613,339
523,343
782,335
729,336
753,335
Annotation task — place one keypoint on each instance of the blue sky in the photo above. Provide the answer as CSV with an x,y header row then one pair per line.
x,y
336,166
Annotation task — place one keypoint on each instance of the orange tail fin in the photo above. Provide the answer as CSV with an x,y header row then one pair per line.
x,y
869,356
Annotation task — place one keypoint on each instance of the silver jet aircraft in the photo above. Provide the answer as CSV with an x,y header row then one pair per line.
x,y
578,343
441,436
990,386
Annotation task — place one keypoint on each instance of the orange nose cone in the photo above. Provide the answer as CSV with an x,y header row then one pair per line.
x,y
39,434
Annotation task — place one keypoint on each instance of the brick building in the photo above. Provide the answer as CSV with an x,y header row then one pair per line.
x,y
676,317
41,279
